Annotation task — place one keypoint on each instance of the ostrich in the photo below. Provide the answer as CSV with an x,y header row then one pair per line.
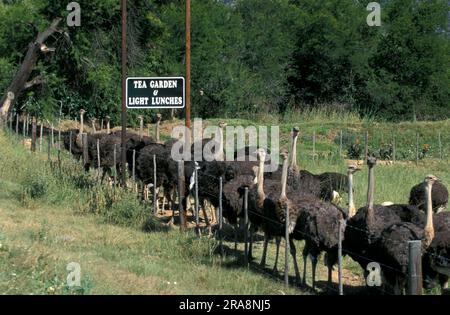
x,y
216,149
364,229
392,247
440,196
351,204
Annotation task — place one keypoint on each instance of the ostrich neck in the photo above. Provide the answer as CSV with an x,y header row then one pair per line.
x,y
220,155
261,178
351,203
294,152
81,123
284,178
429,228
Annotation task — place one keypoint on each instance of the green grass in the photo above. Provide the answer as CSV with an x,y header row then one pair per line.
x,y
50,217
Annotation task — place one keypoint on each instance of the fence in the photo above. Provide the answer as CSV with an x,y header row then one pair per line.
x,y
414,273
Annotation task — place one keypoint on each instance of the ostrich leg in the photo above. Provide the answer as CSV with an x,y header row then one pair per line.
x,y
294,256
277,241
264,254
314,259
305,261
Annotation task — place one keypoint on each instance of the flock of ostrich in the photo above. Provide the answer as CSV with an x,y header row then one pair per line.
x,y
373,233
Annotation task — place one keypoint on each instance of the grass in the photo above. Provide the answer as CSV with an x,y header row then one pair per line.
x,y
49,218
45,224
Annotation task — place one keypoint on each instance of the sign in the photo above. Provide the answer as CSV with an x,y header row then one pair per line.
x,y
155,92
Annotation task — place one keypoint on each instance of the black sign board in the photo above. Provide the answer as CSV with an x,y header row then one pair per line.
x,y
155,92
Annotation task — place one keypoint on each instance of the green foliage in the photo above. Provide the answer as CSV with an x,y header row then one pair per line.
x,y
248,56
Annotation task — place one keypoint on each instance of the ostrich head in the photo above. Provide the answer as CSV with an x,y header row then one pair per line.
x,y
352,169
371,161
82,112
284,154
222,125
351,204
158,117
261,154
431,179
295,131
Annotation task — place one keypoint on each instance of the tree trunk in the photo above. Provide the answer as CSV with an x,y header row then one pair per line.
x,y
19,82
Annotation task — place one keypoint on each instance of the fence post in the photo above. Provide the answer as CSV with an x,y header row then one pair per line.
x,y
417,148
17,123
314,145
27,120
53,139
59,149
24,126
246,226
108,124
197,221
341,230
287,248
181,194
366,145
148,130
11,117
158,122
220,216
394,148
155,210
133,170
440,146
49,157
85,149
98,159
41,131
33,136
115,164
340,145
415,268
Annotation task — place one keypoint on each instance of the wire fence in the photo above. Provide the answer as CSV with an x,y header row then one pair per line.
x,y
211,192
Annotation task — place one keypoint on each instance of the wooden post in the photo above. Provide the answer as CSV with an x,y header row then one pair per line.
x,y
23,126
220,216
141,127
108,125
148,130
17,123
85,149
11,117
27,120
115,164
314,146
415,268
33,136
341,230
53,136
287,248
155,210
246,226
440,146
59,149
394,148
158,122
49,157
340,144
70,142
366,145
181,194
41,136
133,170
101,125
417,148
98,159
197,221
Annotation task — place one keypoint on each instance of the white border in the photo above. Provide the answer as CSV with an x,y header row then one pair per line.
x,y
156,78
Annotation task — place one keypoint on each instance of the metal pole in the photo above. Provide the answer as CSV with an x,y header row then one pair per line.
x,y
341,230
197,221
220,216
287,248
246,226
188,64
415,268
155,210
124,74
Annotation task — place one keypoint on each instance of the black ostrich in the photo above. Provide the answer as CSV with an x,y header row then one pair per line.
x,y
392,248
210,148
440,196
364,229
70,143
331,182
